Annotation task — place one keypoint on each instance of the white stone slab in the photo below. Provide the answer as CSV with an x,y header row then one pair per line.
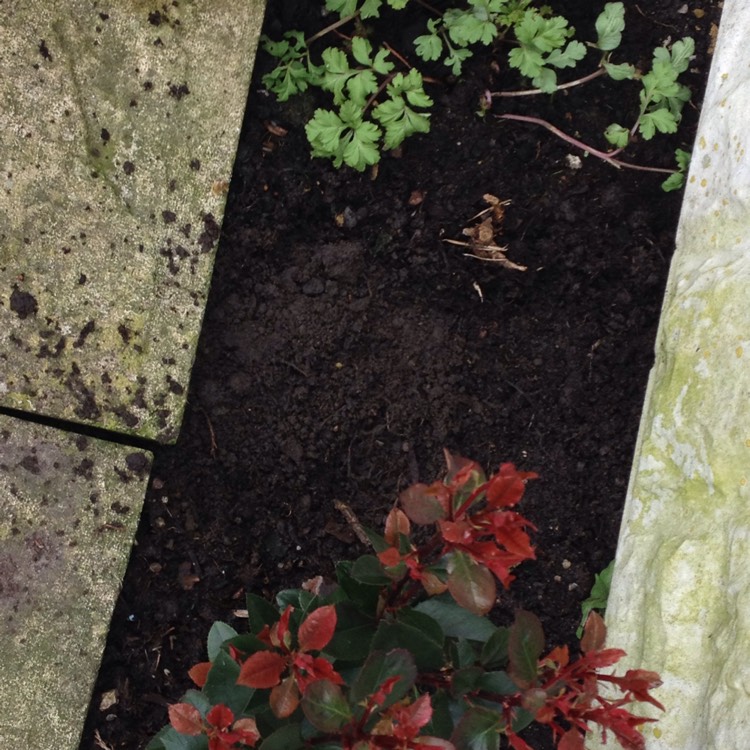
x,y
69,508
119,122
680,601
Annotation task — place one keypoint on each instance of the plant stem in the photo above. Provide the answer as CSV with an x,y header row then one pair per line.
x,y
533,92
331,27
607,156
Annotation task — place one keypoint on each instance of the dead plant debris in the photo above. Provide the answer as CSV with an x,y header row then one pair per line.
x,y
482,234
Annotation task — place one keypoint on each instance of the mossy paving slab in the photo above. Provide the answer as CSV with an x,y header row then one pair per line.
x,y
680,599
69,507
119,121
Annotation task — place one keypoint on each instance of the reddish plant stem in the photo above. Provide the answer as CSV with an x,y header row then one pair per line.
x,y
607,156
331,27
534,92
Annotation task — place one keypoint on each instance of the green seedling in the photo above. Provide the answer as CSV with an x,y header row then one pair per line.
x,y
598,597
379,99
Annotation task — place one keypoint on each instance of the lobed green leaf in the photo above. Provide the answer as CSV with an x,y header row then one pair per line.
x,y
609,26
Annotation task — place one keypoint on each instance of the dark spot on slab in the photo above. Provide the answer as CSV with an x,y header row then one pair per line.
x,y
186,229
46,353
86,331
174,386
170,217
154,18
127,417
138,463
82,442
104,16
85,469
125,333
178,90
87,407
22,304
195,165
106,379
172,186
119,508
148,85
44,50
94,498
167,253
124,476
82,279
31,464
210,233
128,167
105,135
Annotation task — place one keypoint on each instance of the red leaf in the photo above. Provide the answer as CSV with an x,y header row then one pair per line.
x,y
186,719
247,730
459,468
425,505
594,633
517,743
390,557
396,522
199,673
506,487
284,698
571,740
220,716
262,670
317,629
471,585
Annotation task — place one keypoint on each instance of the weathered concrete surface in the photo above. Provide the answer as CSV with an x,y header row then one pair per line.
x,y
69,507
119,125
680,600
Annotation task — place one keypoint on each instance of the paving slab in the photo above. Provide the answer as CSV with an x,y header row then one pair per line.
x,y
680,599
119,121
69,508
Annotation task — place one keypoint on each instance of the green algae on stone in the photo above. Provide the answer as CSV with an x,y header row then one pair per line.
x,y
680,597
69,507
120,124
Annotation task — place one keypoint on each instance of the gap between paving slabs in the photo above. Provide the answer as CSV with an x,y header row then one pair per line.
x,y
680,599
120,122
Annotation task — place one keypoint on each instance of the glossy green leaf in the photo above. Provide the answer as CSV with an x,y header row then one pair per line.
x,y
525,646
260,612
369,570
221,684
219,633
471,585
455,620
378,668
287,737
363,596
325,706
415,632
495,650
478,729
497,682
465,680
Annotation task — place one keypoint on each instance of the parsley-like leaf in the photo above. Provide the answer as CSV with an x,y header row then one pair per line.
x,y
609,27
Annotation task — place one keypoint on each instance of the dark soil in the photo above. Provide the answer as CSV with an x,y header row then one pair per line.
x,y
345,344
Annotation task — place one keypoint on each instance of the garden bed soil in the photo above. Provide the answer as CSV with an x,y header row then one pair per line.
x,y
345,344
